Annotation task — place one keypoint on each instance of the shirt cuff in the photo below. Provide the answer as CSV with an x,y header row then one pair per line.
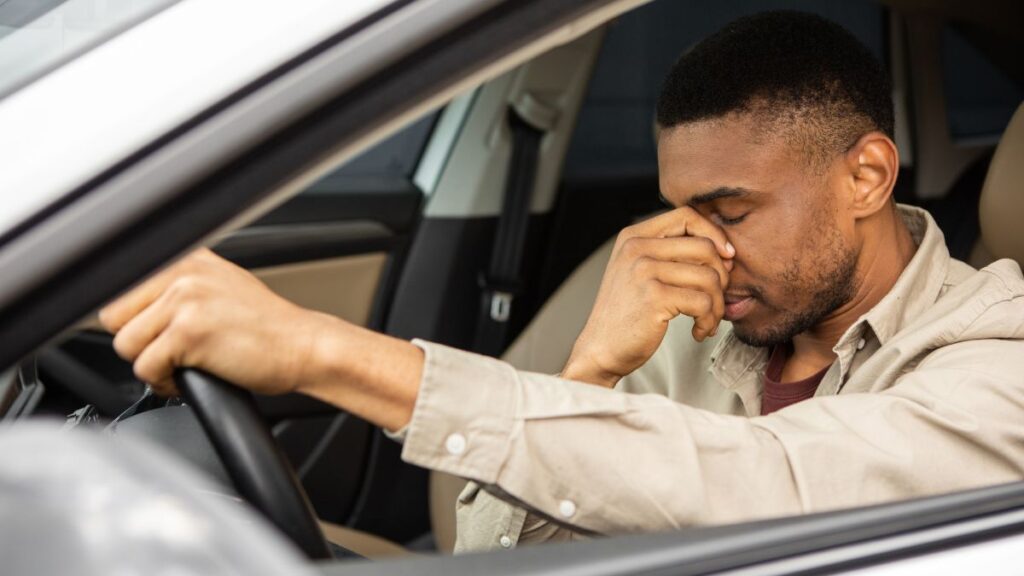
x,y
464,414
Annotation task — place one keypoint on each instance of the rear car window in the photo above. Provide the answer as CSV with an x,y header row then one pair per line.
x,y
980,97
387,167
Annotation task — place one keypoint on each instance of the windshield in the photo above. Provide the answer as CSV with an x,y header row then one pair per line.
x,y
38,35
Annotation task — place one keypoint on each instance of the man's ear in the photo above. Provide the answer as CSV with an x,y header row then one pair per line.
x,y
874,164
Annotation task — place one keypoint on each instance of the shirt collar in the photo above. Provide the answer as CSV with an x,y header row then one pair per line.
x,y
916,289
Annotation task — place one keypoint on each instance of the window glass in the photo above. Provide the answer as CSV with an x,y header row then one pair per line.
x,y
614,135
386,167
980,98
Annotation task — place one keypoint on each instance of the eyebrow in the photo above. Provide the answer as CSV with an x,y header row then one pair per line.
x,y
717,194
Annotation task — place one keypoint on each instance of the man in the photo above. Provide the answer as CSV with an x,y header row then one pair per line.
x,y
860,363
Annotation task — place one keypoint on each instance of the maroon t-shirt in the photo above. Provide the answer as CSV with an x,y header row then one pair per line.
x,y
777,395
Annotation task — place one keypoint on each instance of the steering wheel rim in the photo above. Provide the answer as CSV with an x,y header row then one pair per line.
x,y
257,466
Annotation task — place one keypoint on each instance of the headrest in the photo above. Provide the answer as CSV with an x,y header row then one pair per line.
x,y
1001,208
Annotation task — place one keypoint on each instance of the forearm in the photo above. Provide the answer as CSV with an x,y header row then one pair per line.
x,y
371,375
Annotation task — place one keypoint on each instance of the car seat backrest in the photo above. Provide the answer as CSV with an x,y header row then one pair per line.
x,y
543,346
1001,208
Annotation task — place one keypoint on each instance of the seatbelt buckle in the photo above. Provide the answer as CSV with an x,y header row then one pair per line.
x,y
501,305
497,295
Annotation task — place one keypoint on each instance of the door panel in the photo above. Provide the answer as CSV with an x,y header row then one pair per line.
x,y
343,287
271,245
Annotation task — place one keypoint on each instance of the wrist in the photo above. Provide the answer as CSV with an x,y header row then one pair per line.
x,y
582,370
327,350
371,375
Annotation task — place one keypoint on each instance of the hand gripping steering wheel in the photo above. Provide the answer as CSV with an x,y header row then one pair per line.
x,y
252,458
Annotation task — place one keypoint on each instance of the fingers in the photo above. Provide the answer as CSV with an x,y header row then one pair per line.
x,y
684,221
134,336
687,249
692,290
693,277
156,364
690,257
165,388
118,313
155,337
695,303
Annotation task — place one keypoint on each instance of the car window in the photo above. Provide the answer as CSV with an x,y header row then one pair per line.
x,y
614,134
386,167
37,35
980,98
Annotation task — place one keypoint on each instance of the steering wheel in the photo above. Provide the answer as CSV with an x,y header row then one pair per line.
x,y
252,458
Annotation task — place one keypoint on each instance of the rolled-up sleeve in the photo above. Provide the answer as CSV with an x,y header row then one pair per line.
x,y
609,462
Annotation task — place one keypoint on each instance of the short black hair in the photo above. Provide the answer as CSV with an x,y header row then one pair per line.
x,y
792,69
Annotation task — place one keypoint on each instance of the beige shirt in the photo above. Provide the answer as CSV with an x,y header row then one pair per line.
x,y
926,396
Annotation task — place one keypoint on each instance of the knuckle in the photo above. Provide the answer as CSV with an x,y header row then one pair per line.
x,y
644,266
145,372
686,210
711,277
630,247
709,304
187,321
124,346
707,245
185,287
203,254
654,291
703,302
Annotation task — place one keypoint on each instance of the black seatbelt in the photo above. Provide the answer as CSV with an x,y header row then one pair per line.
x,y
501,283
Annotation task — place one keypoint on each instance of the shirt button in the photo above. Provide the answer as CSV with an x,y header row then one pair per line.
x,y
566,508
505,542
455,444
861,343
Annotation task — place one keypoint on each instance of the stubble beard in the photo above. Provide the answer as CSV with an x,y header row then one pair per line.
x,y
833,285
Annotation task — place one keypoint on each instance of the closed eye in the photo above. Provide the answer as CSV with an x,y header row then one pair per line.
x,y
726,221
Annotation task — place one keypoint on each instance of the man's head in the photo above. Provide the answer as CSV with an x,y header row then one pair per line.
x,y
779,128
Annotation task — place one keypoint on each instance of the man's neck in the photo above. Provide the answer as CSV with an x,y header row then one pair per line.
x,y
887,250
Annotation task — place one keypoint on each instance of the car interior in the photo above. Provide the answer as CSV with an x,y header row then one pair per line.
x,y
402,238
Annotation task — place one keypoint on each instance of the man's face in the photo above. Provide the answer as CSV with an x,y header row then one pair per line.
x,y
796,249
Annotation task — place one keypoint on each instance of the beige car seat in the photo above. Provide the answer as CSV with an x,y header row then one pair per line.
x,y
1001,208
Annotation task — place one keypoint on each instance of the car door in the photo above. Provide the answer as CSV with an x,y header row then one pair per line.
x,y
337,247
